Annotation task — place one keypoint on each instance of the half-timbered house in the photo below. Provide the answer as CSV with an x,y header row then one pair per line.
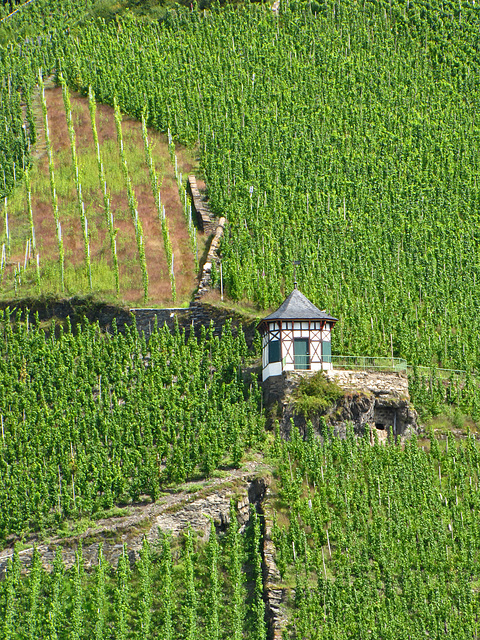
x,y
297,336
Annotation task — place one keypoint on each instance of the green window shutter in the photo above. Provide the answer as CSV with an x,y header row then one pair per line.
x,y
274,351
327,351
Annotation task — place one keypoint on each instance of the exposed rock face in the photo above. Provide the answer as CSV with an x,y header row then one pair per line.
x,y
172,514
372,400
275,593
197,513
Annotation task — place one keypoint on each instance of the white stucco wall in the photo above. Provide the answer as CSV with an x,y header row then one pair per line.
x,y
272,369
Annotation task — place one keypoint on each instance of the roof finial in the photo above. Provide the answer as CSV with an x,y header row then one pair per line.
x,y
295,263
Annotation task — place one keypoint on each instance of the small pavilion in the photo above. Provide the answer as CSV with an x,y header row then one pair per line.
x,y
297,336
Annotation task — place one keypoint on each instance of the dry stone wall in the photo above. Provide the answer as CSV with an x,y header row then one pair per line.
x,y
205,217
205,281
210,225
192,319
377,382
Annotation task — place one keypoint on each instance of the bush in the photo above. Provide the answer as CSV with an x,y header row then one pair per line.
x,y
315,395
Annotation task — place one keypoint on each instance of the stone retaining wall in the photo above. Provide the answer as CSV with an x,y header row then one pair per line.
x,y
205,282
372,400
210,225
193,318
377,382
206,220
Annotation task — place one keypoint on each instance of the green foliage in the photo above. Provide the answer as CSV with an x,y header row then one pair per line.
x,y
191,598
78,184
455,397
161,211
58,226
213,588
381,540
122,604
236,576
172,592
258,628
100,594
92,106
315,394
367,179
92,419
132,202
355,175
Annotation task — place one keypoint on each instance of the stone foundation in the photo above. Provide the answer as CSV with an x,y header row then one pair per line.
x,y
378,382
372,400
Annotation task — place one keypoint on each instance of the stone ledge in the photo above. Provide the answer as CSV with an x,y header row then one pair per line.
x,y
376,382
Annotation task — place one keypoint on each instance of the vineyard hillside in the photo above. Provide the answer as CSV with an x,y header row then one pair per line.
x,y
341,136
148,486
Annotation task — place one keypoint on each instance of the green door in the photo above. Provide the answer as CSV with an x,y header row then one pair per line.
x,y
300,353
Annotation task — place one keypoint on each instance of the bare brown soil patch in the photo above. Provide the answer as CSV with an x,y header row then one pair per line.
x,y
131,290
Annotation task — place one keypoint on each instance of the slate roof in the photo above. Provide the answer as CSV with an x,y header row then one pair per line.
x,y
298,307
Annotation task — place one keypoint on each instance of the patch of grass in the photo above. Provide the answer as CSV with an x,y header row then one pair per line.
x,y
315,394
73,528
22,546
194,487
452,419
114,512
219,473
249,311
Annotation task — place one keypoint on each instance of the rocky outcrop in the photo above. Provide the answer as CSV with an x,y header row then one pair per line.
x,y
387,413
173,513
199,513
275,592
372,401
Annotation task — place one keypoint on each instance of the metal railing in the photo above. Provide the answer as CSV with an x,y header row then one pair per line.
x,y
300,363
361,363
378,363
444,374
365,363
